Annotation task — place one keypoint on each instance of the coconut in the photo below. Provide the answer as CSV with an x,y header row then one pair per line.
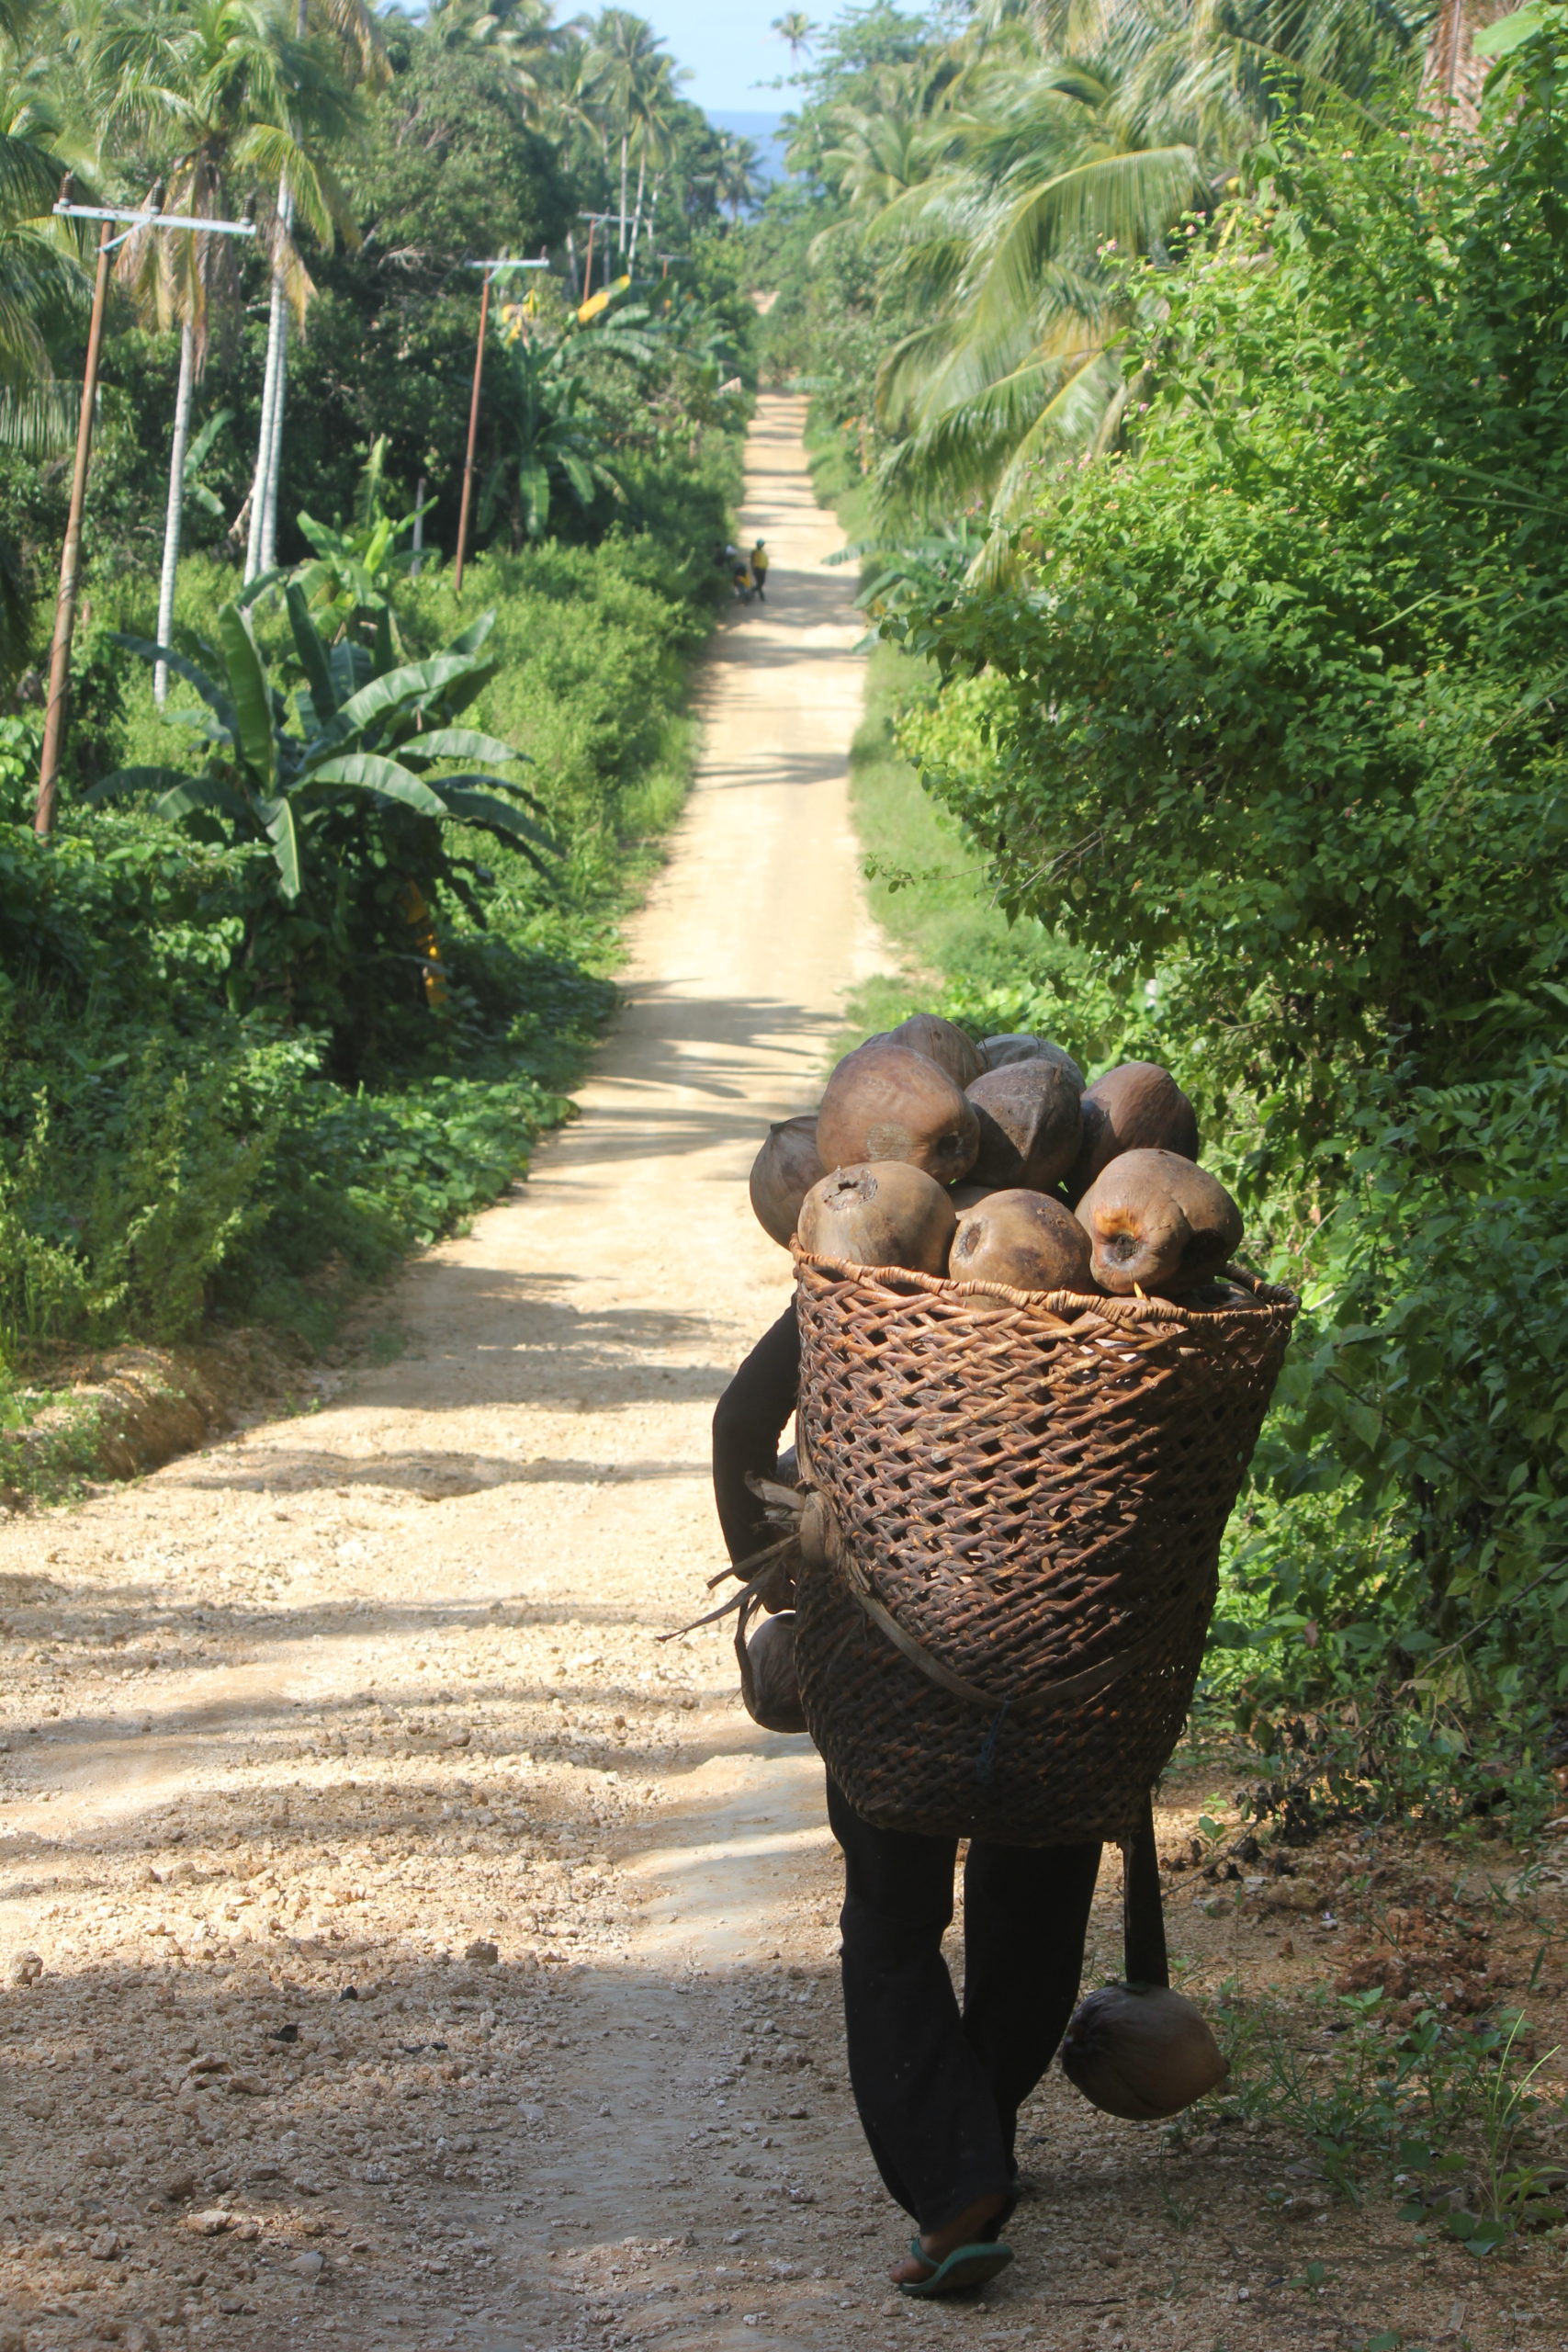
x,y
970,1195
1021,1237
943,1042
1157,1224
1020,1046
782,1173
883,1213
886,1101
1031,1125
774,1701
1136,1106
1141,2051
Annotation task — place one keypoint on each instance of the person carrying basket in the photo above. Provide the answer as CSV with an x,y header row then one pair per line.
x,y
1007,1495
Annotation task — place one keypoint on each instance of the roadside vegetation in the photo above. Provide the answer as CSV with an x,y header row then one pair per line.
x,y
330,912
1187,380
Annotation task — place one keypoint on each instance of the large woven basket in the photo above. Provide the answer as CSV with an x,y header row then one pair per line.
x,y
1024,1495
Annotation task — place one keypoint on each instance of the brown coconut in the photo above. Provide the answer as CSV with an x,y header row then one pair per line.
x,y
886,1101
1020,1046
1023,1237
1141,2051
883,1213
943,1042
1137,1106
1031,1125
782,1173
969,1195
1158,1223
775,1700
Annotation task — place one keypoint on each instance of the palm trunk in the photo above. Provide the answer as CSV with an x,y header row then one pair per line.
x,y
636,207
625,137
183,398
263,434
274,451
270,436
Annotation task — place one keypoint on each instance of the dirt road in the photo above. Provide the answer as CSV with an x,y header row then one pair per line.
x,y
404,1949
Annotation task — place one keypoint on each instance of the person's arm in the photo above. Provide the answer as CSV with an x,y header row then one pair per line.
x,y
747,1425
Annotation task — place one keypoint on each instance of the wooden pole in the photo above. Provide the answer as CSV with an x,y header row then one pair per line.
x,y
588,263
473,436
71,561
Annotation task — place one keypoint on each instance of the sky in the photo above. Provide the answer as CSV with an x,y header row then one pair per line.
x,y
729,49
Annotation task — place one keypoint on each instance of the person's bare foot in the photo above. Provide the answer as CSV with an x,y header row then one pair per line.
x,y
937,2244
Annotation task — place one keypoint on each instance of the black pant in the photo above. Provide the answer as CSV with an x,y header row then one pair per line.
x,y
938,2089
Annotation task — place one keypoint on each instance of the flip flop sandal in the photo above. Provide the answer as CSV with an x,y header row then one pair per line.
x,y
967,2268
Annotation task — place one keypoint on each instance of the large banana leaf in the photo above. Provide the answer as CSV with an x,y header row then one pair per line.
x,y
211,694
458,743
277,817
408,687
483,808
312,655
369,771
252,696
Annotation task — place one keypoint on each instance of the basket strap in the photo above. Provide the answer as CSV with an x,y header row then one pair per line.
x,y
1144,1958
1076,1686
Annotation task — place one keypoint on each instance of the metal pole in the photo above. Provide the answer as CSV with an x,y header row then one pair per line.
x,y
71,561
473,436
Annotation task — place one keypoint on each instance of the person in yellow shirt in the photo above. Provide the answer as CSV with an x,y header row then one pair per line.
x,y
759,570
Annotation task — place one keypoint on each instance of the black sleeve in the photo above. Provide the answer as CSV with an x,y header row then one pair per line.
x,y
747,1426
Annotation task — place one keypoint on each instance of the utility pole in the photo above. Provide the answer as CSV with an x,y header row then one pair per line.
x,y
71,555
491,269
593,219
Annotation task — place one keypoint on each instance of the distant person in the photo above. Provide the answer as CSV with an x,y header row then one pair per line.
x,y
740,573
760,570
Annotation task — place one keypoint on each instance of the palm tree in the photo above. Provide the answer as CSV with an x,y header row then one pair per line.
x,y
797,29
1039,161
652,135
210,84
738,180
629,57
39,277
517,32
346,49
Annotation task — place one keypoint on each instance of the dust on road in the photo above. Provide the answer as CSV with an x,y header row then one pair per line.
x,y
405,1950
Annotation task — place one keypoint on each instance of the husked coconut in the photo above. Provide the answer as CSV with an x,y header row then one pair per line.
x,y
1137,1106
1156,1222
969,1195
883,1213
943,1042
886,1101
775,1692
1031,1125
1020,1046
1024,1239
1141,2051
782,1173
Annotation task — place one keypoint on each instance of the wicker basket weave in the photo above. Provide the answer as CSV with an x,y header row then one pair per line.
x,y
1024,1495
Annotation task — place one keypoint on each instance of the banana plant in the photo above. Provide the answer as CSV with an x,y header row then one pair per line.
x,y
371,737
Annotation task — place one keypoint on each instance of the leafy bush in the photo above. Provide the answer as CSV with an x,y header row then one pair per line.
x,y
1270,733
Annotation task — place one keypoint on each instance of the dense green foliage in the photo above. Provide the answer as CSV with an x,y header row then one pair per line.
x,y
1271,734
949,266
1243,745
314,952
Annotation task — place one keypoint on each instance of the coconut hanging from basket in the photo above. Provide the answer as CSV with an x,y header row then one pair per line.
x,y
1020,1502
